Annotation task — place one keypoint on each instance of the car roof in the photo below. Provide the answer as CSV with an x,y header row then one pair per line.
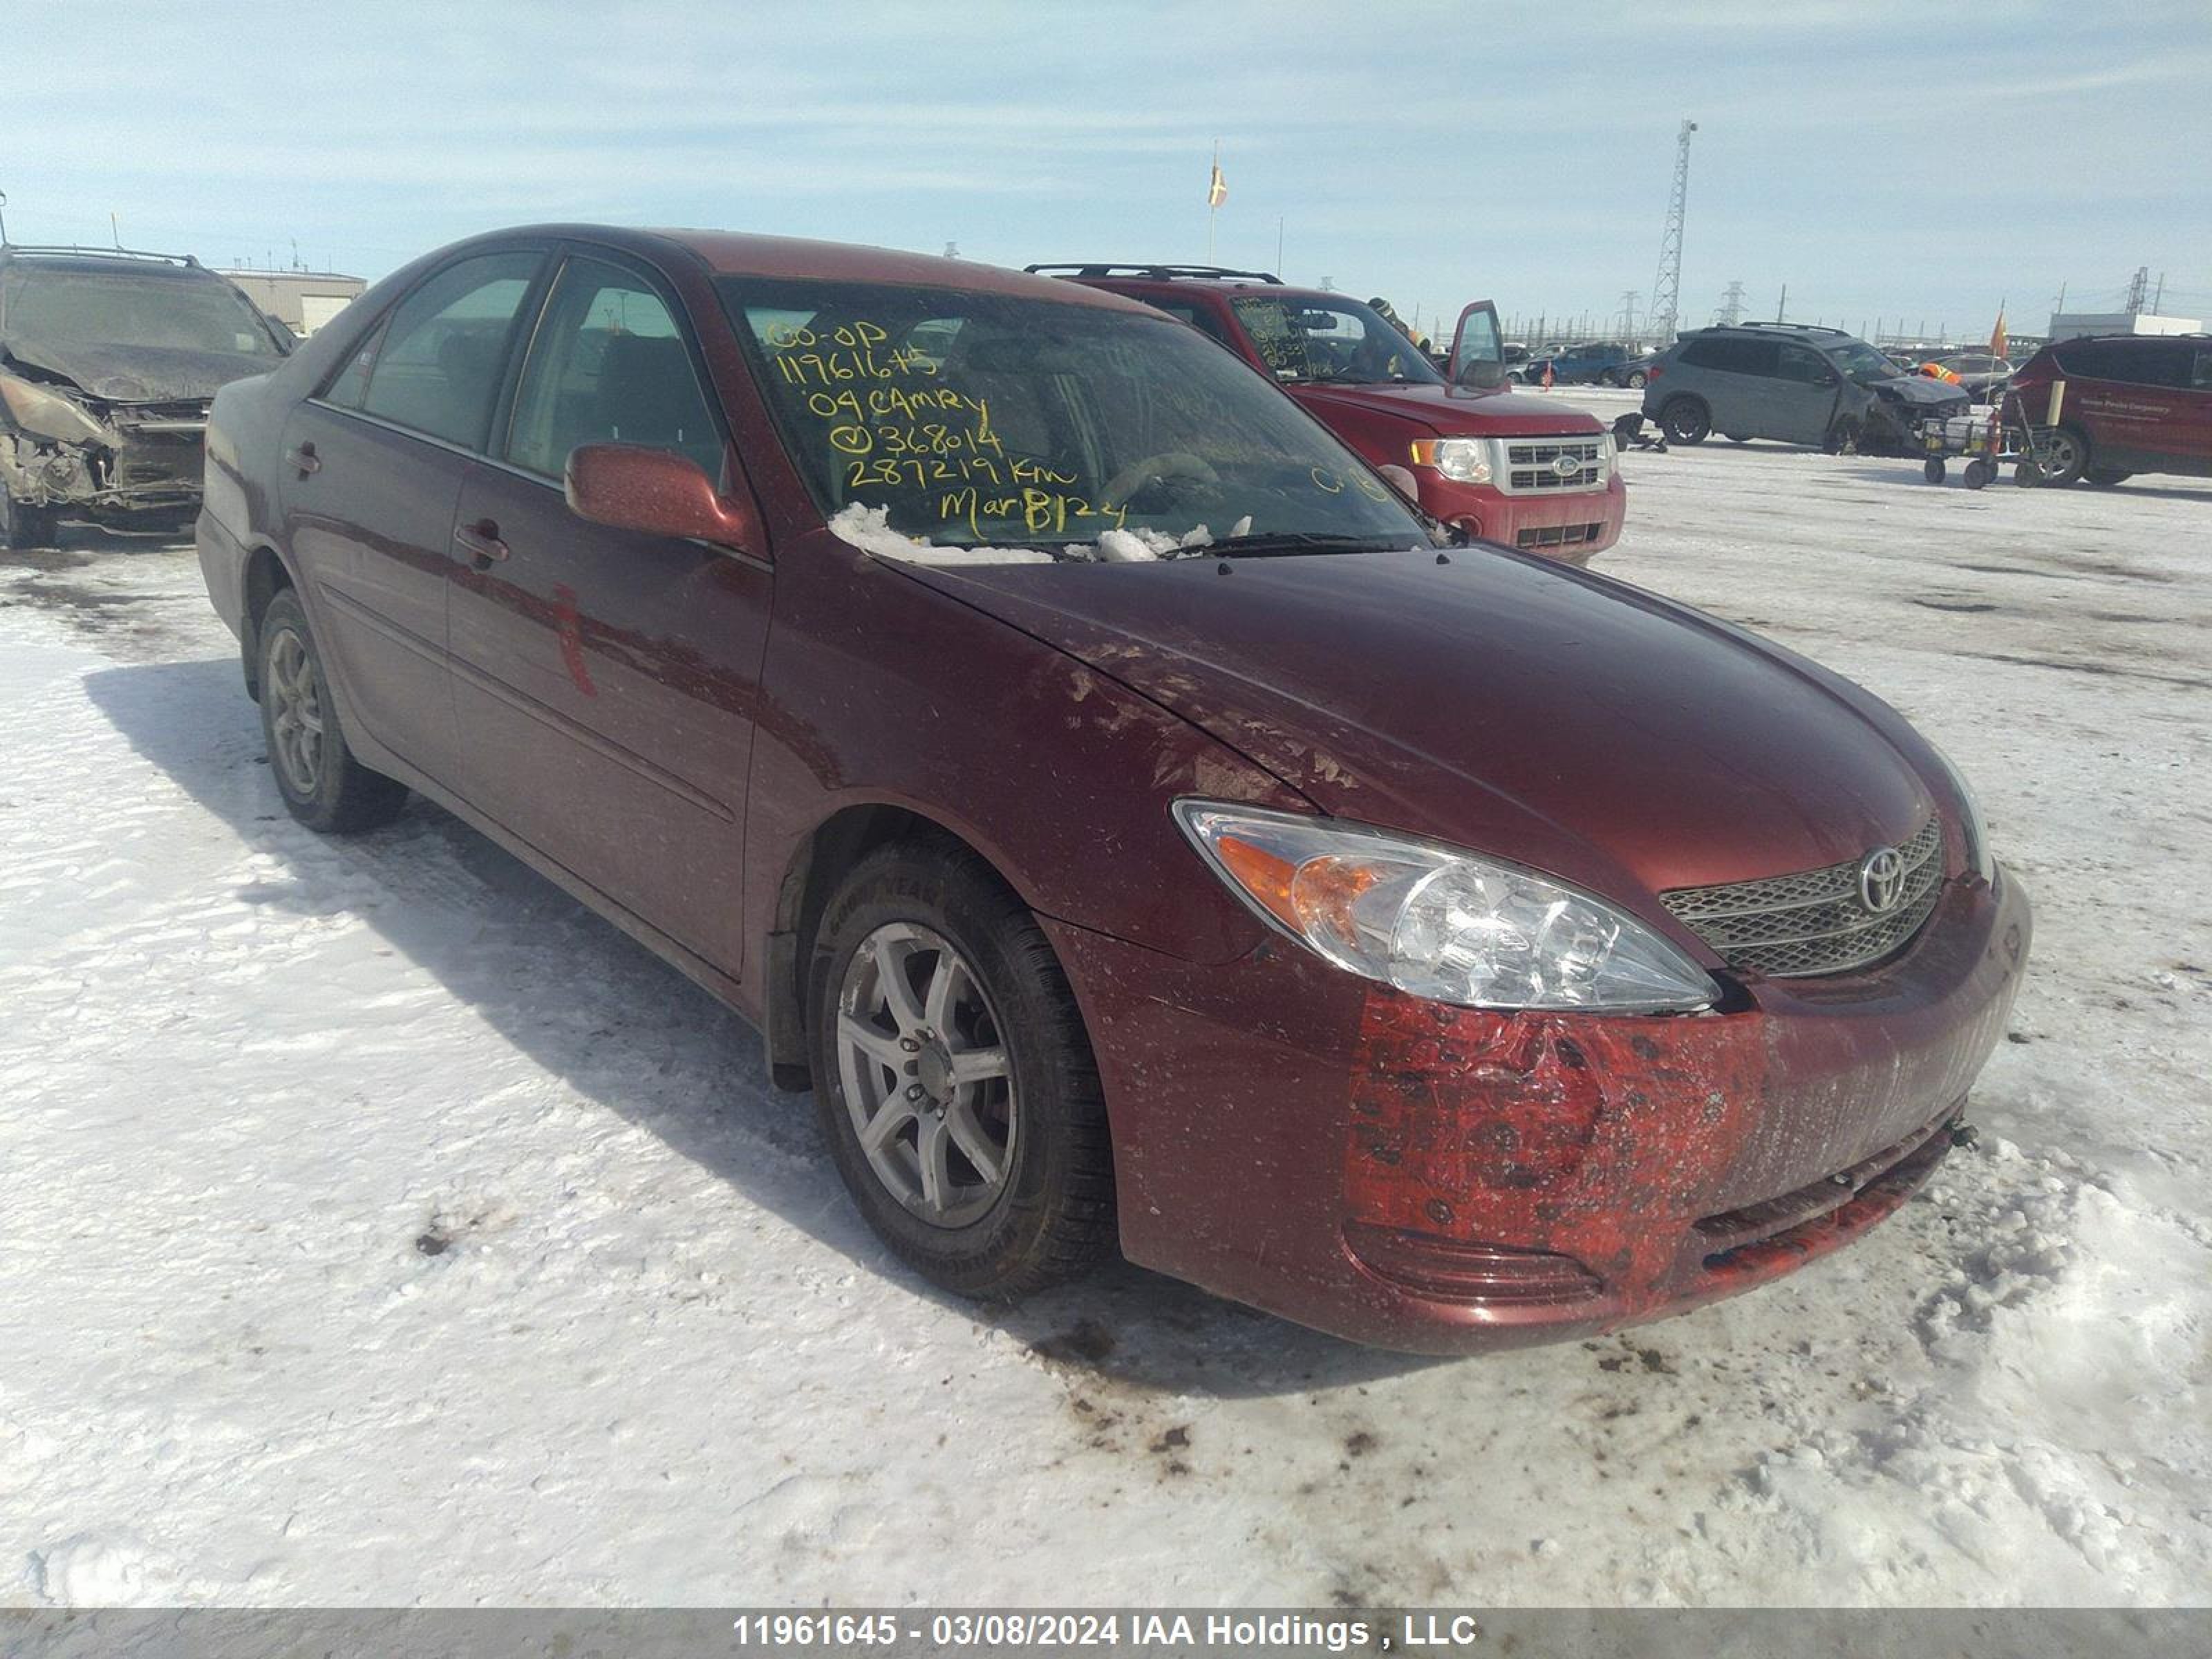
x,y
93,262
731,253
1182,279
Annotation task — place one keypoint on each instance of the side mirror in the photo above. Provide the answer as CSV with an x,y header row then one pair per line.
x,y
1482,374
656,492
1825,377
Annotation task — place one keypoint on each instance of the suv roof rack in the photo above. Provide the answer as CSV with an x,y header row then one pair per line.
x,y
75,250
1158,273
1802,328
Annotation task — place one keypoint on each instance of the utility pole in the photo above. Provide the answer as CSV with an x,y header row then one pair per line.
x,y
1782,305
2158,300
1667,285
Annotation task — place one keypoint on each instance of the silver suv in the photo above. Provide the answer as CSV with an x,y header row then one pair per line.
x,y
1794,382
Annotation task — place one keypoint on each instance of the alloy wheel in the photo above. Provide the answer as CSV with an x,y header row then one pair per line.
x,y
927,1083
295,713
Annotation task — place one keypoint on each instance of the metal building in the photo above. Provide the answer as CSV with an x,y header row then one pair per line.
x,y
303,300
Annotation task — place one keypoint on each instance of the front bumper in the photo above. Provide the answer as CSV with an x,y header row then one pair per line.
x,y
1446,1179
149,460
1573,527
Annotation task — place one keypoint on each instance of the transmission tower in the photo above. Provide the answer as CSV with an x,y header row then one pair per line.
x,y
2136,286
1731,309
1628,315
1667,287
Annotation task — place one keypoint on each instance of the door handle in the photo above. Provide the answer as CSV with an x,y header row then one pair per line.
x,y
303,457
481,542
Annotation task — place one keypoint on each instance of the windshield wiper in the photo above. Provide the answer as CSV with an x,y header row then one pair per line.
x,y
1285,543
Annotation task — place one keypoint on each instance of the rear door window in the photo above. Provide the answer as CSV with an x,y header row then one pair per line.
x,y
439,367
1733,356
609,364
2200,371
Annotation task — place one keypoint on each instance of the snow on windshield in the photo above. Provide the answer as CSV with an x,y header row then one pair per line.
x,y
869,529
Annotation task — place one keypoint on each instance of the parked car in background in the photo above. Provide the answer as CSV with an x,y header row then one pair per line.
x,y
107,362
1134,827
2132,403
1511,468
1582,365
1634,373
1792,382
1983,376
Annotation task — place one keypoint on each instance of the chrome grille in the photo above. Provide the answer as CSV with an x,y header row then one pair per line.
x,y
1532,465
1814,922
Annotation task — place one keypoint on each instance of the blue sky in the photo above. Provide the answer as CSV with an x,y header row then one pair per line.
x,y
1926,161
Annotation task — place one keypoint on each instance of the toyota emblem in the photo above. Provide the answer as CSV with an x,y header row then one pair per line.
x,y
1567,466
1881,880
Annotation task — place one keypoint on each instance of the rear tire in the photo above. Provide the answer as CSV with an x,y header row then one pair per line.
x,y
323,785
1637,381
24,527
1685,421
2062,455
989,1183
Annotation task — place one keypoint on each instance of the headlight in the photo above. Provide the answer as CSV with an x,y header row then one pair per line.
x,y
1609,452
1979,859
1439,923
45,412
1466,460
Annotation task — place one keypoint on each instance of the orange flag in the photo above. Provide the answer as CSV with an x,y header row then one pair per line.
x,y
1997,336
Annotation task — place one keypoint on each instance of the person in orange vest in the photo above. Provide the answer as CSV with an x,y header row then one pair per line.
x,y
1937,371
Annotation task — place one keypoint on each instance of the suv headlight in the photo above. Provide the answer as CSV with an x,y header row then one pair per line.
x,y
1439,923
1979,859
45,412
1464,460
1609,452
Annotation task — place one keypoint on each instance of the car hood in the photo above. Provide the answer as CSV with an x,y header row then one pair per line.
x,y
1920,389
1454,411
1498,702
139,375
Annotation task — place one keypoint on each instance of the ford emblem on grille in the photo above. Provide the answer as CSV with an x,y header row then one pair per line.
x,y
1567,466
1881,880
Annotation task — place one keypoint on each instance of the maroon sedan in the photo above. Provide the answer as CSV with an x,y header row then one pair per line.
x,y
1106,796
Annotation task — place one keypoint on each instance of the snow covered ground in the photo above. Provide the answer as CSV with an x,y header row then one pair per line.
x,y
379,1227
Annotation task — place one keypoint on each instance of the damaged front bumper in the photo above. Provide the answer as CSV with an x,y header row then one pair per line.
x,y
136,458
1445,1180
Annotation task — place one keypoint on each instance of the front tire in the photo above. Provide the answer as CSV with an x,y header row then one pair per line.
x,y
24,527
953,1077
2106,477
1639,380
1685,421
323,785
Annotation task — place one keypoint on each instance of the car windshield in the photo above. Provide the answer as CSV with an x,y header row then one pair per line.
x,y
968,420
129,308
1310,340
1862,362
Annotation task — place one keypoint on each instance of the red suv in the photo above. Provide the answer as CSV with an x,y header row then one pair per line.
x,y
1508,466
1104,793
2106,407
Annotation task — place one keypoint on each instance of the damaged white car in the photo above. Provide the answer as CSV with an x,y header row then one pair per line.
x,y
108,361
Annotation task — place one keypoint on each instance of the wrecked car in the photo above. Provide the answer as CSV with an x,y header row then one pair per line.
x,y
1128,819
108,361
1794,383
